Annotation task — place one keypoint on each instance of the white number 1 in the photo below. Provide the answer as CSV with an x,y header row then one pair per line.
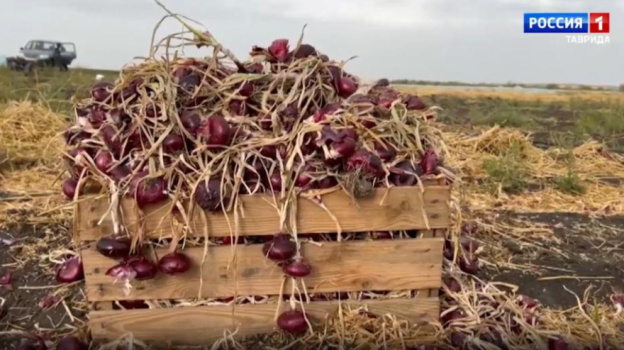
x,y
599,21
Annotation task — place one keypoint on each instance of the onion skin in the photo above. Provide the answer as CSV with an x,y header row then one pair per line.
x,y
403,174
116,247
527,302
174,263
70,271
453,285
279,49
429,162
276,181
297,268
69,187
208,195
385,151
70,342
111,138
469,228
246,89
293,322
281,248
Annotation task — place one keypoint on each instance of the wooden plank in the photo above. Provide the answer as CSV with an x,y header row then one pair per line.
x,y
203,325
349,266
386,210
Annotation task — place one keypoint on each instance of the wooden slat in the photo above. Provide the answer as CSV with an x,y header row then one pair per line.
x,y
346,266
387,210
203,325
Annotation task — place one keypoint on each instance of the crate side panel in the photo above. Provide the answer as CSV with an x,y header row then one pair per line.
x,y
405,208
202,325
346,267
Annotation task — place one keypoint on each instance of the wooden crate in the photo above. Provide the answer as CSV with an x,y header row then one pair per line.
x,y
348,266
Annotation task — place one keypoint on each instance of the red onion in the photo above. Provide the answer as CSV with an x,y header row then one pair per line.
x,y
458,339
383,235
279,49
429,162
343,148
275,181
449,250
414,103
448,318
618,301
469,265
304,50
6,280
368,162
71,270
119,116
303,179
293,322
133,304
280,248
148,190
404,174
297,268
191,121
101,91
189,82
237,107
349,133
385,151
143,268
228,240
215,131
111,138
103,161
246,89
255,68
346,87
208,195
49,301
527,302
265,122
321,114
557,343
326,182
122,271
69,342
70,186
74,137
453,285
469,228
120,173
96,117
173,143
174,263
468,244
115,247
29,345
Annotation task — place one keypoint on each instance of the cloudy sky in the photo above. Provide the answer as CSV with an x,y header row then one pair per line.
x,y
467,40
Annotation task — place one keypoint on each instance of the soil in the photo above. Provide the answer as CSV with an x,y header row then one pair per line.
x,y
590,249
32,280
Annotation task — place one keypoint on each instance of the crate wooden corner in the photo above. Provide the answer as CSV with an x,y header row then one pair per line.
x,y
349,266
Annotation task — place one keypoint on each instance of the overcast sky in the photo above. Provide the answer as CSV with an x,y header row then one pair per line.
x,y
462,40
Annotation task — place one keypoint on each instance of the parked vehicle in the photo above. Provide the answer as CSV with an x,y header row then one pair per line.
x,y
43,53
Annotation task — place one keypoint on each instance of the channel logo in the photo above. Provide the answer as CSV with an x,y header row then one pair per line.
x,y
571,22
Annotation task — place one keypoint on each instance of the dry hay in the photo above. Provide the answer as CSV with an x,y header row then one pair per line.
x,y
28,135
30,166
589,161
